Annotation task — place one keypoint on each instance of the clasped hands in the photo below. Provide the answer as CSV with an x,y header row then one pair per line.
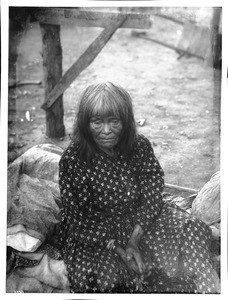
x,y
132,256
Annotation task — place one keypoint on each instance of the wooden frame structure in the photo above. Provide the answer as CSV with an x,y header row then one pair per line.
x,y
55,83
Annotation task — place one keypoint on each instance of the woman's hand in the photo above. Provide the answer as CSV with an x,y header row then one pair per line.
x,y
131,257
131,264
132,250
133,253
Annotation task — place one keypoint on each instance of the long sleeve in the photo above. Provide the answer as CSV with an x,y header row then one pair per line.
x,y
78,220
151,183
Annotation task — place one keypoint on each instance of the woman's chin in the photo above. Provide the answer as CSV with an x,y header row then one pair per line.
x,y
107,144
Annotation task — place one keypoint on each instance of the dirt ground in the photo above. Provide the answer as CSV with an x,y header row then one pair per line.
x,y
178,98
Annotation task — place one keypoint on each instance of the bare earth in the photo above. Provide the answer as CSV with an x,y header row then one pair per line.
x,y
179,99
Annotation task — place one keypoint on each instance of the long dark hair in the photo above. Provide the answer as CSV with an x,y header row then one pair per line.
x,y
104,99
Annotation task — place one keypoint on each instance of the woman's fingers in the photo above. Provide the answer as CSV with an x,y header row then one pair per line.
x,y
133,253
139,261
129,253
132,258
147,270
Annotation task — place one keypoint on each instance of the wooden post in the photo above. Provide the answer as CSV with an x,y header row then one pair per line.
x,y
216,38
15,33
216,48
52,68
18,19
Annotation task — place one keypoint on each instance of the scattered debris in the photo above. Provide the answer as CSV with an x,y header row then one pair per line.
x,y
28,115
154,144
138,33
141,122
26,93
182,133
151,93
14,144
183,202
165,146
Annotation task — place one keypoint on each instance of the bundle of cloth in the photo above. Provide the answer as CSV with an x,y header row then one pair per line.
x,y
34,263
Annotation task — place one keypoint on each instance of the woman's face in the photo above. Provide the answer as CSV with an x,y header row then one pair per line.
x,y
105,131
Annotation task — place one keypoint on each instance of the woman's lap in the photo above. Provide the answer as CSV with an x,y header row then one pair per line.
x,y
176,247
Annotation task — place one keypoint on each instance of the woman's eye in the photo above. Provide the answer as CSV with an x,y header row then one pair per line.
x,y
96,123
116,122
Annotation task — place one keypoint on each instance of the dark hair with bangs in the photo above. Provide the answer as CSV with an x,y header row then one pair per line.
x,y
104,99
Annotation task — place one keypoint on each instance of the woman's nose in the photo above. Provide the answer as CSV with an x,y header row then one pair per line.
x,y
106,128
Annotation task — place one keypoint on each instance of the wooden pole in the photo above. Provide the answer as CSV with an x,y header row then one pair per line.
x,y
52,68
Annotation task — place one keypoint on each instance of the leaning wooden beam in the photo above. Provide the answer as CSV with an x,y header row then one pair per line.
x,y
177,49
170,18
88,18
83,62
181,188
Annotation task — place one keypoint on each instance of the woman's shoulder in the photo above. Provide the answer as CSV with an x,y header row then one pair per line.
x,y
142,142
143,147
71,154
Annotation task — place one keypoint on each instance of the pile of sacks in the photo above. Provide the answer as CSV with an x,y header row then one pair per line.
x,y
33,212
206,205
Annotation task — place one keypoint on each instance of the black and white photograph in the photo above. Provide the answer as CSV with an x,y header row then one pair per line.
x,y
111,129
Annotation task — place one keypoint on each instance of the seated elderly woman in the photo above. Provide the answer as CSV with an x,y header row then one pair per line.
x,y
117,233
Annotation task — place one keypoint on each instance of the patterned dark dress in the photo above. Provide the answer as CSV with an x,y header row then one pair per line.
x,y
105,201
